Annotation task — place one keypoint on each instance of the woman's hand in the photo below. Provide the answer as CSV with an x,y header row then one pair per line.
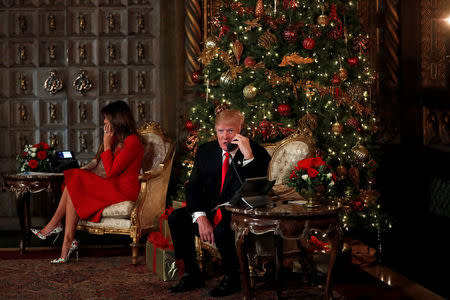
x,y
244,145
107,137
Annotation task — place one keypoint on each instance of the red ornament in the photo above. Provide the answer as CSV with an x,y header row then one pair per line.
x,y
353,61
352,122
336,80
309,43
224,30
284,109
189,125
358,205
197,76
290,34
264,125
337,92
249,61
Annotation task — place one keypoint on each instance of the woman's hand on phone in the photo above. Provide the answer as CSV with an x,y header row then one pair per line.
x,y
107,137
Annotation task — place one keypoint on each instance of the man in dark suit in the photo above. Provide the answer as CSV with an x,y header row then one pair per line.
x,y
213,182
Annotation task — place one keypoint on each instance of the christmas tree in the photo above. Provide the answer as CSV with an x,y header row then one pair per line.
x,y
289,66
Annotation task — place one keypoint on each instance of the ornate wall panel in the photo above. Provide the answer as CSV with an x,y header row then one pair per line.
x,y
63,60
433,43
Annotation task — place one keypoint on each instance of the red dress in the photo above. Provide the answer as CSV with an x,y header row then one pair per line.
x,y
91,193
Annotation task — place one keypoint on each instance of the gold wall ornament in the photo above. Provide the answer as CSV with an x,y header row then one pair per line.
x,y
141,110
23,82
53,140
53,84
83,142
52,52
113,81
83,111
82,22
22,54
111,22
51,22
140,51
82,83
82,52
141,80
22,24
112,51
140,23
23,114
52,111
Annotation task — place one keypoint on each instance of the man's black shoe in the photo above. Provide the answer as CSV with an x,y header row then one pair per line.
x,y
229,285
188,282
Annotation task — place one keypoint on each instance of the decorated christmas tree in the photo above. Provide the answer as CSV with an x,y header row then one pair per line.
x,y
294,66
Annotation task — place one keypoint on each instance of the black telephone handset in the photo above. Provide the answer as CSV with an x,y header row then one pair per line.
x,y
230,146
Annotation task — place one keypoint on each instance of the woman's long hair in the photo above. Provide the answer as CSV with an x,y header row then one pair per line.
x,y
122,121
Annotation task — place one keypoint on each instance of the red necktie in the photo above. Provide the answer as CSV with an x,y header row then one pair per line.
x,y
225,165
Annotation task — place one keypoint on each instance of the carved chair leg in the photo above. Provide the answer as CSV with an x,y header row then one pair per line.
x,y
134,253
200,255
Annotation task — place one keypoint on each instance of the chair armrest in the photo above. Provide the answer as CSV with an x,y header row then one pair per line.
x,y
91,165
152,173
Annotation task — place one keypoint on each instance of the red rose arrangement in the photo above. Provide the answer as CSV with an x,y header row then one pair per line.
x,y
36,158
312,176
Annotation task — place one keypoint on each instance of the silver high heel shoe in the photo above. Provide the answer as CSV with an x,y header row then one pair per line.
x,y
56,231
73,248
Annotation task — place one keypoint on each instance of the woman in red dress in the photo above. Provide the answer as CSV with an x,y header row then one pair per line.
x,y
87,194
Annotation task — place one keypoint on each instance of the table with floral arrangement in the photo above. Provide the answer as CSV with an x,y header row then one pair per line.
x,y
35,163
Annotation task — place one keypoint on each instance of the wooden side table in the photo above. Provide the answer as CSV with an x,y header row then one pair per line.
x,y
290,221
24,185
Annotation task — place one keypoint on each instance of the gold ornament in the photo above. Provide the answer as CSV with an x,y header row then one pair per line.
x,y
323,20
308,123
237,50
225,79
293,59
267,39
211,42
343,74
250,91
259,9
337,128
341,172
360,153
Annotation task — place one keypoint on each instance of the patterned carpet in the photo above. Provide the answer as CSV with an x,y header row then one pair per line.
x,y
94,278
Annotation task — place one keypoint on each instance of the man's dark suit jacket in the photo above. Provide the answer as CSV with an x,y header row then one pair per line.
x,y
203,189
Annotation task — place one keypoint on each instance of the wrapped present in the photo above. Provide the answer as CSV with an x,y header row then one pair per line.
x,y
164,223
178,204
165,229
161,261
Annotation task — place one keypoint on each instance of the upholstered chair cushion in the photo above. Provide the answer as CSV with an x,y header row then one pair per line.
x,y
120,210
108,223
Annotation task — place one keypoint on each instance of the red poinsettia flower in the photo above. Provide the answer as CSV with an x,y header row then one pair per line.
x,y
317,162
293,175
42,145
312,172
33,163
304,163
42,155
24,154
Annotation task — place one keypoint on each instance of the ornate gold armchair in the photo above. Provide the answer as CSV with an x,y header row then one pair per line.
x,y
285,154
138,218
